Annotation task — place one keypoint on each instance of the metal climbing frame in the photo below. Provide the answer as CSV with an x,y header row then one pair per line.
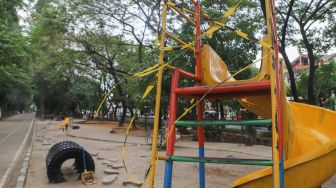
x,y
199,92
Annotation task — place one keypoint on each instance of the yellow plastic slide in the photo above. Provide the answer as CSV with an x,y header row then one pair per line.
x,y
309,131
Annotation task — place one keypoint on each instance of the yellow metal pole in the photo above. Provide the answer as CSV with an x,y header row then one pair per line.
x,y
275,137
158,101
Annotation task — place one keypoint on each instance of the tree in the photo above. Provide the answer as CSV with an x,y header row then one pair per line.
x,y
309,18
56,75
104,46
107,54
284,27
325,82
15,81
135,19
87,40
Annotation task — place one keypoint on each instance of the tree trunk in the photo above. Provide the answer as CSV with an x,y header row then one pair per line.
x,y
42,99
309,47
115,112
132,114
92,112
165,113
221,111
140,53
123,97
112,113
108,110
123,115
290,74
217,109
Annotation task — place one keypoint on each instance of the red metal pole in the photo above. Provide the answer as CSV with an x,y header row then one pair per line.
x,y
278,87
186,74
198,71
278,96
172,112
200,129
198,42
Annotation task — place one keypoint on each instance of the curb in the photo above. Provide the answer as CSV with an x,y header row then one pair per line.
x,y
5,178
21,180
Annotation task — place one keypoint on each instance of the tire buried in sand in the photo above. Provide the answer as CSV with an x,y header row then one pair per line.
x,y
61,152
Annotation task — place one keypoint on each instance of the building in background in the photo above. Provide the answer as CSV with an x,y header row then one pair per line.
x,y
301,63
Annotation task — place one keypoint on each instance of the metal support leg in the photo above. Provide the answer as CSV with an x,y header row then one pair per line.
x,y
171,130
201,152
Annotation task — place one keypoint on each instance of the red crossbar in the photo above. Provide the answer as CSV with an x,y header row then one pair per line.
x,y
244,89
186,74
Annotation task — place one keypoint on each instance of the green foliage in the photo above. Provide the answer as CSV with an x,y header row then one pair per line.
x,y
325,81
309,25
16,88
84,92
82,48
13,46
317,22
8,12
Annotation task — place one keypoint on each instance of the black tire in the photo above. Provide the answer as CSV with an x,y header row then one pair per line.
x,y
68,151
63,146
59,145
56,147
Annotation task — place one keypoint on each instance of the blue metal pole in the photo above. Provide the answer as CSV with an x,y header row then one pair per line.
x,y
282,172
167,183
201,168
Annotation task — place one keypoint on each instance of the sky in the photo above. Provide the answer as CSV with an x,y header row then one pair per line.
x,y
292,51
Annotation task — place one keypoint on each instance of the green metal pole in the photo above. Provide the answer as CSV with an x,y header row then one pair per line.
x,y
256,163
245,122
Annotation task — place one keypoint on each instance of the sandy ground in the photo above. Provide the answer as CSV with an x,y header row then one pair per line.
x,y
109,146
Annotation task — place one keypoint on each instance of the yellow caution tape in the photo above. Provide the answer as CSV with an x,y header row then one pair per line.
x,y
212,29
246,36
218,25
123,154
171,4
192,100
148,90
146,72
223,18
230,11
171,48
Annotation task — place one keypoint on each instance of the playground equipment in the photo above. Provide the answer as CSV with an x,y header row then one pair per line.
x,y
61,152
67,122
88,177
303,136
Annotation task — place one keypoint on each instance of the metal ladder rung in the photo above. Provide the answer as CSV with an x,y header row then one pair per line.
x,y
233,161
263,122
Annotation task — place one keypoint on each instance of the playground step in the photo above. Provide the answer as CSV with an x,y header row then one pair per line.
x,y
261,122
233,161
227,90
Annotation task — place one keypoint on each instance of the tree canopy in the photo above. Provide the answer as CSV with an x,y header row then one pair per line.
x,y
74,52
16,88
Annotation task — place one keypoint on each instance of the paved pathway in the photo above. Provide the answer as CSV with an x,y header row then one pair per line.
x,y
12,133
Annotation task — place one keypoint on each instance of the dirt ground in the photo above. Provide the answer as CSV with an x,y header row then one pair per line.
x,y
97,139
